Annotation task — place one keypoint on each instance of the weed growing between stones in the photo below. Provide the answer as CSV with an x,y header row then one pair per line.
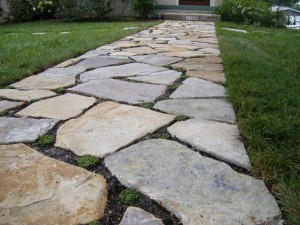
x,y
95,223
174,86
87,161
181,118
60,90
146,105
128,196
45,141
9,87
162,135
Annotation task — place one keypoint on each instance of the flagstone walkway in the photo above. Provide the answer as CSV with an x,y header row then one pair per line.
x,y
167,79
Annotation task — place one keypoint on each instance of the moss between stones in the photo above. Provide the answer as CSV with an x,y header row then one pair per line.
x,y
87,161
45,140
128,196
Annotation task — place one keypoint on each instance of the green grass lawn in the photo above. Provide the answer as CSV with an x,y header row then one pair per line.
x,y
22,53
263,81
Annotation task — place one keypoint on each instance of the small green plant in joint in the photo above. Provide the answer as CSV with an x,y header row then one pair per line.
x,y
128,196
45,140
95,222
181,118
146,105
162,136
87,161
174,86
60,90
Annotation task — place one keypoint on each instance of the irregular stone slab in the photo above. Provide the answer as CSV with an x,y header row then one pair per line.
x,y
67,71
164,77
235,30
210,51
198,66
184,54
23,129
46,82
140,50
95,53
209,40
101,61
36,189
220,140
122,91
29,95
5,106
198,88
171,49
61,107
125,44
214,76
131,69
202,191
156,60
69,62
206,59
108,127
208,109
137,216
123,54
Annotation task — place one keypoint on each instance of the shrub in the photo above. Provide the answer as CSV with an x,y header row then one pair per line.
x,y
250,12
20,10
143,8
84,9
44,9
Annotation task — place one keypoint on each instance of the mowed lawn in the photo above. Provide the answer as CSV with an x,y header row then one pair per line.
x,y
23,54
263,81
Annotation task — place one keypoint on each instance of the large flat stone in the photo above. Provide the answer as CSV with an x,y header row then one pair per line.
x,y
36,189
5,106
184,54
198,88
140,50
122,91
220,140
165,77
26,95
45,82
198,190
137,216
131,69
207,59
156,60
185,65
67,71
213,76
14,130
209,109
101,61
69,62
108,127
61,107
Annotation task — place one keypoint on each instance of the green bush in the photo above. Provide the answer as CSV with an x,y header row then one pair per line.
x,y
44,9
144,8
250,12
84,9
20,10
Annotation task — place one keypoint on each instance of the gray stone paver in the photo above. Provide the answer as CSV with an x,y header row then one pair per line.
x,y
14,130
198,190
6,105
135,70
137,216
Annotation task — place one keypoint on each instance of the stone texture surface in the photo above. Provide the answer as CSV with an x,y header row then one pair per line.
x,y
131,69
220,140
140,50
185,65
5,106
183,54
101,61
36,189
107,127
26,95
23,129
67,71
61,107
137,216
202,191
209,109
217,77
207,59
156,60
198,88
69,62
122,91
164,77
49,82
